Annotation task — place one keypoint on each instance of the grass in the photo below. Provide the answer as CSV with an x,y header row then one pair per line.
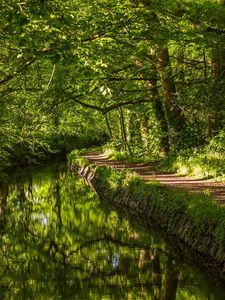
x,y
173,205
75,156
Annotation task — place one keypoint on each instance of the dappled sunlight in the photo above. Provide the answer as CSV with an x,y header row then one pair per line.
x,y
150,173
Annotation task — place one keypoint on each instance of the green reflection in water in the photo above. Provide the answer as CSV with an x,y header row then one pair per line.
x,y
59,242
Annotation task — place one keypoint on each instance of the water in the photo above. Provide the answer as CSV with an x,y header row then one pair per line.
x,y
59,241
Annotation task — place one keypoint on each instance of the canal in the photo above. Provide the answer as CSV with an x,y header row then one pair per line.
x,y
60,241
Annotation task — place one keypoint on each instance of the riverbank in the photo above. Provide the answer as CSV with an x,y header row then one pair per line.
x,y
195,219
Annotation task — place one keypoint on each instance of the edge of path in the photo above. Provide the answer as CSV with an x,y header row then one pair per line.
x,y
148,172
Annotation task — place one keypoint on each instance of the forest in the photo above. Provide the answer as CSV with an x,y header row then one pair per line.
x,y
142,79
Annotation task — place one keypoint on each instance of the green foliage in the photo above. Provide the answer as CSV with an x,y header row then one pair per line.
x,y
217,144
135,186
207,162
76,74
75,158
112,178
112,152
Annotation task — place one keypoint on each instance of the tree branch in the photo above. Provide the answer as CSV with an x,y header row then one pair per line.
x,y
128,102
24,66
129,79
105,110
87,105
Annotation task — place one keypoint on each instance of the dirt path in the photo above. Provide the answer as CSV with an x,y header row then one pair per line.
x,y
148,173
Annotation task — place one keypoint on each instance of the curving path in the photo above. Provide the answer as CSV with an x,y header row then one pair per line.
x,y
148,172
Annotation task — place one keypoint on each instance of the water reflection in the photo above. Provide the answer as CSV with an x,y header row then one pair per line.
x,y
59,242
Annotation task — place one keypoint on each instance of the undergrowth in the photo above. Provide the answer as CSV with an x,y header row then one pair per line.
x,y
75,156
207,162
197,163
113,153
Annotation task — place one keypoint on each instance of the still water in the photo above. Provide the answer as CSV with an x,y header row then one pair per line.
x,y
59,241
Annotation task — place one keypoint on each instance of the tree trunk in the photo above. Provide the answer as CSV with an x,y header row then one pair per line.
x,y
160,115
134,130
123,131
174,115
110,132
216,97
145,131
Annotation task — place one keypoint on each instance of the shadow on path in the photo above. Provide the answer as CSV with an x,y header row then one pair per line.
x,y
149,173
